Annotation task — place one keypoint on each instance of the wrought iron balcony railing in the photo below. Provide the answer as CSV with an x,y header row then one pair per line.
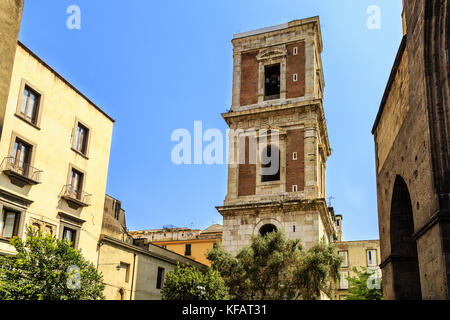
x,y
21,171
77,197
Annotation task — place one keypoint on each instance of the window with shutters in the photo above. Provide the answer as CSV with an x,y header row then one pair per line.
x,y
9,224
371,258
344,256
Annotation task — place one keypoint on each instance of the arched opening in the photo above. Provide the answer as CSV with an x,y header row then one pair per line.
x,y
405,264
266,229
270,167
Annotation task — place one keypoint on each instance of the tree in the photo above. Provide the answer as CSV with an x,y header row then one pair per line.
x,y
363,286
46,268
275,268
189,283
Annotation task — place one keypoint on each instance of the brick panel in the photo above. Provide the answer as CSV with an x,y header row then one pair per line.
x,y
247,173
249,78
296,64
295,169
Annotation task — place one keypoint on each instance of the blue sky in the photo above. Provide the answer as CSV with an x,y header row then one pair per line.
x,y
156,66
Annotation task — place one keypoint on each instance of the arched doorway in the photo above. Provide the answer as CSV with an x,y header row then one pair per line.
x,y
405,263
267,228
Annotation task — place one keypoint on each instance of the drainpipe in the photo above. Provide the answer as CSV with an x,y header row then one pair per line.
x,y
132,276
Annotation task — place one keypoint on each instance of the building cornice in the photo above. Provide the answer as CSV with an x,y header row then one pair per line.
x,y
35,56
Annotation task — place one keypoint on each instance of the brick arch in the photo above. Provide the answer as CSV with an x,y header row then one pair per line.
x,y
405,264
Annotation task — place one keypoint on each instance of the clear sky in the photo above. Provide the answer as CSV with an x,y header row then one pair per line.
x,y
156,66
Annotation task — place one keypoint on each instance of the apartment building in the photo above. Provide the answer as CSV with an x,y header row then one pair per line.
x,y
363,253
193,244
54,154
133,270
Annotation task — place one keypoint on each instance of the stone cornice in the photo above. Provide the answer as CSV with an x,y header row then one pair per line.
x,y
303,106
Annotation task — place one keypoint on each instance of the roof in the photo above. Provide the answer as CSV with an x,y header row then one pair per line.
x,y
64,80
213,229
391,80
293,23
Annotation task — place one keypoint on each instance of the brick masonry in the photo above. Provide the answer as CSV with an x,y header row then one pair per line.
x,y
295,169
296,64
249,74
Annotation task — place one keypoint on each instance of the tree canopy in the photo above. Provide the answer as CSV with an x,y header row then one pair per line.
x,y
272,267
189,283
364,285
46,268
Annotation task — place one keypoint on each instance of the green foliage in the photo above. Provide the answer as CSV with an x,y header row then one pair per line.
x,y
189,283
275,268
45,268
358,288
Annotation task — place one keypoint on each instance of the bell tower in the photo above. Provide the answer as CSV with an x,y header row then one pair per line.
x,y
278,141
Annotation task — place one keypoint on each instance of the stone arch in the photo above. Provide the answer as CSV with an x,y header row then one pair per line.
x,y
267,221
404,258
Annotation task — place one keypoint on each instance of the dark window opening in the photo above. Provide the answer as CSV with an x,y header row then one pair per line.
x,y
160,279
266,167
272,82
266,229
187,251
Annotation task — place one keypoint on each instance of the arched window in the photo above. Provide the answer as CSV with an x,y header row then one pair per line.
x,y
266,229
270,170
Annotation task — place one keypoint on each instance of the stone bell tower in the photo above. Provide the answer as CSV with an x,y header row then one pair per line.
x,y
278,137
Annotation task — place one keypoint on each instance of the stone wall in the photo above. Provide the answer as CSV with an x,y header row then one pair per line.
x,y
10,17
411,137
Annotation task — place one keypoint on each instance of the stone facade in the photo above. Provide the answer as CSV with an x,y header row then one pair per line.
x,y
411,135
292,121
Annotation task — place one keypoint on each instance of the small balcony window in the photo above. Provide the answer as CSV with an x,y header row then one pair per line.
x,y
18,166
74,193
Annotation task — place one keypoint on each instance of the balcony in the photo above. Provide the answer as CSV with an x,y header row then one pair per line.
x,y
76,198
20,173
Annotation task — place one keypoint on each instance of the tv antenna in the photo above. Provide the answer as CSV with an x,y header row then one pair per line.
x,y
329,200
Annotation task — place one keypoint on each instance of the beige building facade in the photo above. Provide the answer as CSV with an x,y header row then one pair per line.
x,y
193,244
54,154
132,270
356,254
277,110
